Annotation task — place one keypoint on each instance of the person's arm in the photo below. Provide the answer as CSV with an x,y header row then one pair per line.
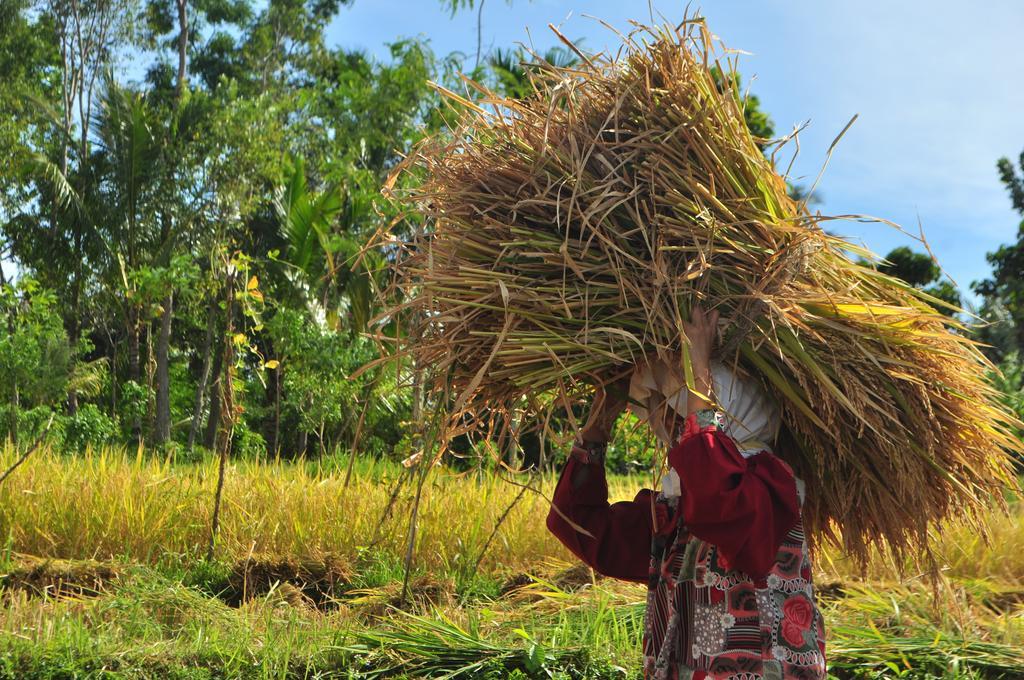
x,y
620,542
744,506
620,533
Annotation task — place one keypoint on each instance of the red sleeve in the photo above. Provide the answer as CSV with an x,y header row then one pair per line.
x,y
744,506
621,543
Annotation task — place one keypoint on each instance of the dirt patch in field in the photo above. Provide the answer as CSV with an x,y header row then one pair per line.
x,y
829,590
47,577
526,586
315,583
575,577
1005,601
424,593
515,583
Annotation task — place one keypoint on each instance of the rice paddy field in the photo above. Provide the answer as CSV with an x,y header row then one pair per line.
x,y
103,574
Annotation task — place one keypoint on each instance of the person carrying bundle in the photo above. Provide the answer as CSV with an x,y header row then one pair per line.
x,y
721,546
557,232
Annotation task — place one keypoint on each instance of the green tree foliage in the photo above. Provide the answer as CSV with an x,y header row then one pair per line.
x,y
758,121
35,355
233,192
921,271
1009,380
250,140
321,403
1002,294
28,60
916,269
1013,183
511,69
35,358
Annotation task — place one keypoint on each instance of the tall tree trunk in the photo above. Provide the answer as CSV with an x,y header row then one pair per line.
x,y
273,389
228,411
162,429
69,86
150,380
134,369
213,419
204,376
113,384
182,47
15,408
75,330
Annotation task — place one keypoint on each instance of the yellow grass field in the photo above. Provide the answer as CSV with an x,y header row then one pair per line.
x,y
149,520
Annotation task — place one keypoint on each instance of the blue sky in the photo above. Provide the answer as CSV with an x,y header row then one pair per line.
x,y
938,86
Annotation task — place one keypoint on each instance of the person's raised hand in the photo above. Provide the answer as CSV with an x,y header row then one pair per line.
x,y
701,333
611,394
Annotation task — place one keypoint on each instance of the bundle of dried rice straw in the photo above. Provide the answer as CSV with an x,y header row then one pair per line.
x,y
571,231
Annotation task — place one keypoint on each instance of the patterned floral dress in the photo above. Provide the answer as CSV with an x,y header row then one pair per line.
x,y
726,562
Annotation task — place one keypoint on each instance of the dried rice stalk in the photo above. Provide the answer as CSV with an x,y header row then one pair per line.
x,y
571,232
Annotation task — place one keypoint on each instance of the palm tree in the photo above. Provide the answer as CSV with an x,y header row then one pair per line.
x,y
129,136
324,253
129,155
512,68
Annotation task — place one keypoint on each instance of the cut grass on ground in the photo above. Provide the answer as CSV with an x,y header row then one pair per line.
x,y
145,623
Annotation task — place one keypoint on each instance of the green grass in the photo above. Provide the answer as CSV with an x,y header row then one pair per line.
x,y
167,613
149,624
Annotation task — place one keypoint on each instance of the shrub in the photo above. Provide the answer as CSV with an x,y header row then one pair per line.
x,y
248,444
88,427
134,402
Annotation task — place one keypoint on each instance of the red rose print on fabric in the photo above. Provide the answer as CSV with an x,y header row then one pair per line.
x,y
792,633
797,615
799,610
